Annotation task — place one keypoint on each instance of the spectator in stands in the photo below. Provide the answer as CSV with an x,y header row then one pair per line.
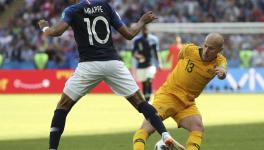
x,y
4,4
174,51
245,58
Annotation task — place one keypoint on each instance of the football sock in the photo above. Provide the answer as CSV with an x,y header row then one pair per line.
x,y
194,141
139,139
57,127
151,115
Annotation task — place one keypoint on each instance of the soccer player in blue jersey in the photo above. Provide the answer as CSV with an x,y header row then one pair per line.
x,y
146,47
90,21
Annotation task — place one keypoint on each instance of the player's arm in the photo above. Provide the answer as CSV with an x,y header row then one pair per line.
x,y
156,54
130,32
139,57
59,28
56,30
221,69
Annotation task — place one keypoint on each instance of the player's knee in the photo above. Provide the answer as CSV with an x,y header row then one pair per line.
x,y
65,103
197,126
136,99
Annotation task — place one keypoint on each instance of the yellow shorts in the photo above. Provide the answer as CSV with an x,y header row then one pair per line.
x,y
169,105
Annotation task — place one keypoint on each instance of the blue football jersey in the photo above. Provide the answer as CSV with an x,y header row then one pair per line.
x,y
146,46
91,21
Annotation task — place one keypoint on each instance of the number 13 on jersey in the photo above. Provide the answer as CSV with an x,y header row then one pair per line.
x,y
189,66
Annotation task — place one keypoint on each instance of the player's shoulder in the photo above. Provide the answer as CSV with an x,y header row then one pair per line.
x,y
153,39
190,48
137,38
152,36
72,8
103,3
221,57
85,3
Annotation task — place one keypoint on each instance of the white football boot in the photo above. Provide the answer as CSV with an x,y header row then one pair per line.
x,y
171,143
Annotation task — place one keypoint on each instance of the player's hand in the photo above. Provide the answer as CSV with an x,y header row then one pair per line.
x,y
43,23
148,17
220,72
141,59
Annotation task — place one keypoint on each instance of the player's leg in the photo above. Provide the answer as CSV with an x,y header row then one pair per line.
x,y
58,121
166,107
147,88
149,74
122,83
143,77
86,76
149,112
141,135
195,127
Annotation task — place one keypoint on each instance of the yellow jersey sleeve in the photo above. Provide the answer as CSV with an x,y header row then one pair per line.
x,y
186,50
221,61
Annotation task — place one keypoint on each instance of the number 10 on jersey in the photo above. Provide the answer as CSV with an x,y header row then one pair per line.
x,y
92,34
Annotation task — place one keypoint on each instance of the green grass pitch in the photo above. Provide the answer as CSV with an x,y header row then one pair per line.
x,y
107,122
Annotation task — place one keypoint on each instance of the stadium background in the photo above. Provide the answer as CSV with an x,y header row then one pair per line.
x,y
232,109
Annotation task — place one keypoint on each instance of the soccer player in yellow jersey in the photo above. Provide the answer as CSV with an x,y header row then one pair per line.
x,y
176,97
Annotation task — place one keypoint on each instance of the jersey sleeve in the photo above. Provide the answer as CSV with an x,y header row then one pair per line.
x,y
187,50
115,19
66,15
182,53
221,61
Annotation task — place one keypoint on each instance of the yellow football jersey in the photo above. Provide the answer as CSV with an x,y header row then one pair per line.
x,y
191,74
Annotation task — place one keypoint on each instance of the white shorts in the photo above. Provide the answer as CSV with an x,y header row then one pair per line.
x,y
146,73
88,74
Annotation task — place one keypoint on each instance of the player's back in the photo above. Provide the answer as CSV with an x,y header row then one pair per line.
x,y
91,21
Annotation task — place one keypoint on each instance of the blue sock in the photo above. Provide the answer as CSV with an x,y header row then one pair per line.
x,y
57,127
150,114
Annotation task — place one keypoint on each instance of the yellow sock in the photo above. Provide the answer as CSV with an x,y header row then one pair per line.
x,y
194,141
139,139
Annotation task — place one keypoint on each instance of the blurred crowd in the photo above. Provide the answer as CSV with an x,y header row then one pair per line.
x,y
193,10
21,39
4,4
